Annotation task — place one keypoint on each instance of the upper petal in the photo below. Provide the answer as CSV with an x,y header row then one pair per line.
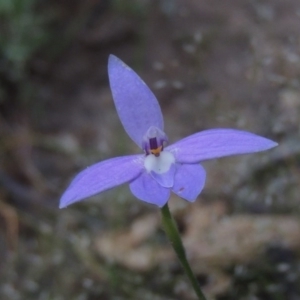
x,y
189,181
137,107
102,176
216,143
147,189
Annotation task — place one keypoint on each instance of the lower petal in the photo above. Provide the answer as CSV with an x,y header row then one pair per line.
x,y
189,181
147,189
165,179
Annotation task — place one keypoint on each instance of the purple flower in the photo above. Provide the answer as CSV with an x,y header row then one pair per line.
x,y
160,169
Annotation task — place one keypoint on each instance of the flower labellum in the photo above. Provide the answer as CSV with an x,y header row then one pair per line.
x,y
161,168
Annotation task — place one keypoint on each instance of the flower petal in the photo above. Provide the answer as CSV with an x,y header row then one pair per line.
x,y
102,176
189,181
165,179
216,143
161,168
147,189
137,107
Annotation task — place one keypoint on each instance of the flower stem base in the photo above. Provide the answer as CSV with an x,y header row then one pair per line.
x,y
171,230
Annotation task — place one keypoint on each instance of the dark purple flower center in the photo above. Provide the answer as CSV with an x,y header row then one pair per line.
x,y
154,141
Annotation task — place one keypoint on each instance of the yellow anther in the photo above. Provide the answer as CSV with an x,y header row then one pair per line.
x,y
156,151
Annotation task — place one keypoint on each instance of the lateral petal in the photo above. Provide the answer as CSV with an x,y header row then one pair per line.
x,y
137,107
102,176
147,189
216,143
189,181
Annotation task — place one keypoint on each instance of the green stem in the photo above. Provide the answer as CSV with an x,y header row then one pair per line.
x,y
174,237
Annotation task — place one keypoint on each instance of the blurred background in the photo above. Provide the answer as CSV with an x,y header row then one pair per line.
x,y
211,64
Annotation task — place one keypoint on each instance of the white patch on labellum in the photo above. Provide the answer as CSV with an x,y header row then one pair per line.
x,y
159,164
